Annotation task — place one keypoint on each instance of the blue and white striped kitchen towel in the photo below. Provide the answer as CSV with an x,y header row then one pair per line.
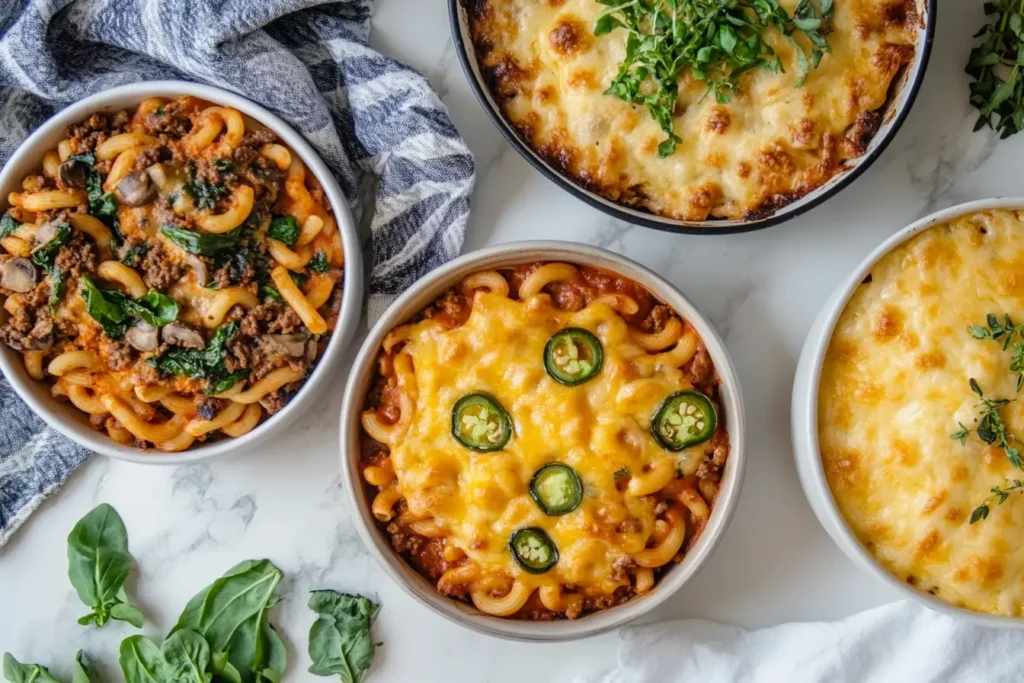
x,y
309,62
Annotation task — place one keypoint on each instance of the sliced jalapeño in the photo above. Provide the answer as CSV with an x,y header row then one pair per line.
x,y
684,419
480,423
533,549
557,489
572,356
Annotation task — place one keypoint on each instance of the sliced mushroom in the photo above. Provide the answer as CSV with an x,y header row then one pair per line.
x,y
158,174
19,275
177,334
135,189
45,233
142,336
292,345
199,268
73,173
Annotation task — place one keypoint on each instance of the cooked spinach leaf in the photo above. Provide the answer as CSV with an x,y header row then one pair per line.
x,y
270,292
58,280
225,166
16,672
98,564
318,263
205,194
232,615
107,307
284,229
155,308
298,278
102,205
221,384
134,254
205,363
339,640
8,224
203,243
45,254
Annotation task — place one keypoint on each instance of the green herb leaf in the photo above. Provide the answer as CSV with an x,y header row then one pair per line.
x,y
997,88
270,292
284,229
232,616
961,435
205,363
203,243
339,640
319,264
619,474
999,496
16,672
98,564
225,166
44,255
8,224
58,280
107,307
134,255
79,674
155,308
206,195
219,385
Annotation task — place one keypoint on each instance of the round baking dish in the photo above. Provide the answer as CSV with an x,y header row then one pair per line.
x,y
64,417
901,97
422,294
806,445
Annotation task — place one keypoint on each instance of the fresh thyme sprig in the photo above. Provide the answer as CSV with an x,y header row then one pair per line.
x,y
717,40
981,512
995,65
1006,330
991,428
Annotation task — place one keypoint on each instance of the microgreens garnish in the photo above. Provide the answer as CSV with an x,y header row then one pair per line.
x,y
995,66
998,494
717,40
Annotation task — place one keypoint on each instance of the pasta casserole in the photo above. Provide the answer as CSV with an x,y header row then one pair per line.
x,y
919,412
173,271
543,441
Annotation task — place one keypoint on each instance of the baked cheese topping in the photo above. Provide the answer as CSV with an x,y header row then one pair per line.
x,y
773,143
893,388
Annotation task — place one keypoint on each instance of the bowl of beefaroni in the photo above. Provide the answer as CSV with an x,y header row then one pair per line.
x,y
178,272
542,440
693,116
907,412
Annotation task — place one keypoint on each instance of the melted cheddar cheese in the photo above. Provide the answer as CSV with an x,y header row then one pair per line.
x,y
895,386
773,143
599,428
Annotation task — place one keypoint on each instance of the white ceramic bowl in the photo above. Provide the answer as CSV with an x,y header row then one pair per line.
x,y
805,417
418,297
74,424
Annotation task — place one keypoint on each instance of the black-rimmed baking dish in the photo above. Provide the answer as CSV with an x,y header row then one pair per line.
x,y
902,94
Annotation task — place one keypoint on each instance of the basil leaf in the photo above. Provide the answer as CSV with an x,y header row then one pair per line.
x,y
98,564
318,263
8,224
107,307
205,194
155,308
58,280
231,614
284,229
79,673
16,672
222,384
340,640
203,243
45,254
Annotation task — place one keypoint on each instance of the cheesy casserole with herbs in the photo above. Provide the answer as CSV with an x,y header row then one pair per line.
x,y
544,441
771,144
911,372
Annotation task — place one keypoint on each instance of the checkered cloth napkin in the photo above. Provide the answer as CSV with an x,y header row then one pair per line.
x,y
306,60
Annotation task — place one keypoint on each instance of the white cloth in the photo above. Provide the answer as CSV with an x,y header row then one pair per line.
x,y
899,642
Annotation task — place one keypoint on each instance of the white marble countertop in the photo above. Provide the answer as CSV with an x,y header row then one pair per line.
x,y
283,501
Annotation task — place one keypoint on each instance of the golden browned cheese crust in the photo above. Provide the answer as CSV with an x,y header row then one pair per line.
x,y
772,144
894,387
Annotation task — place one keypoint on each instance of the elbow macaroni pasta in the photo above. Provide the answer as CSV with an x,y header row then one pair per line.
x,y
95,341
642,505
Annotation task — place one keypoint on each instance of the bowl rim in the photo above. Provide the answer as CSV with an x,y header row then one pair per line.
x,y
31,150
810,457
798,207
418,296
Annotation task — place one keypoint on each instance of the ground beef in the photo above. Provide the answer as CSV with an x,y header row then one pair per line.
x,y
265,178
403,541
657,318
567,296
207,408
452,309
700,370
271,317
171,118
237,270
710,469
150,156
621,567
274,402
31,328
159,271
120,354
37,183
85,136
78,257
385,396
